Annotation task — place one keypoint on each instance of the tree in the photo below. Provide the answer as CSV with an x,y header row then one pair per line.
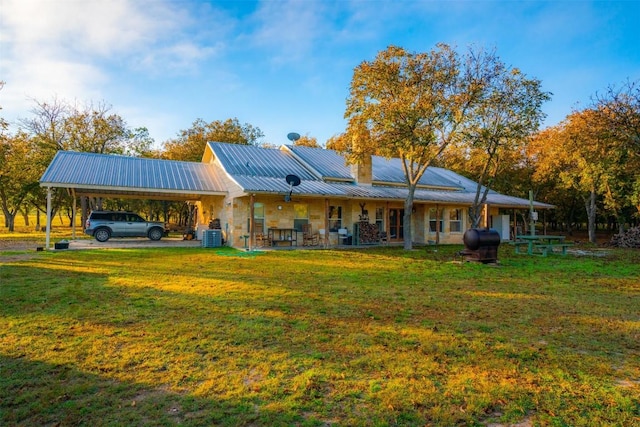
x,y
507,112
307,141
585,157
411,106
338,143
190,143
19,174
58,125
546,167
3,123
96,130
619,108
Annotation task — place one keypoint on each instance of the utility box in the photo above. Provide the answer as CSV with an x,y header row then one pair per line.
x,y
502,224
212,238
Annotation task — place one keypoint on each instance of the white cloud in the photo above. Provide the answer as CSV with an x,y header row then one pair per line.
x,y
72,49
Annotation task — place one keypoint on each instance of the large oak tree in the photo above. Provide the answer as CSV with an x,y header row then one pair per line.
x,y
506,114
411,106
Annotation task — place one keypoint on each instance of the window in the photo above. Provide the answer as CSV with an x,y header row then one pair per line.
x,y
258,218
335,218
434,222
380,218
301,216
455,220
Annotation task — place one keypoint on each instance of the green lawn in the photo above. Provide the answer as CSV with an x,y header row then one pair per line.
x,y
312,337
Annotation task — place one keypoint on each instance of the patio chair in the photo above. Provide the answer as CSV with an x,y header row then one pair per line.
x,y
262,239
383,237
322,235
309,238
344,236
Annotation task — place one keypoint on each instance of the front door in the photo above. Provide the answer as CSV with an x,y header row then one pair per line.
x,y
396,218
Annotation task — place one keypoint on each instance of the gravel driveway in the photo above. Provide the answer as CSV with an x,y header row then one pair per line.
x,y
115,243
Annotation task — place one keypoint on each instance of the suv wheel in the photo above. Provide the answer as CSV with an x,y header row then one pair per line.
x,y
102,235
155,234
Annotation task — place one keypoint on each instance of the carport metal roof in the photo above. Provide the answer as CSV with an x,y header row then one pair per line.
x,y
121,176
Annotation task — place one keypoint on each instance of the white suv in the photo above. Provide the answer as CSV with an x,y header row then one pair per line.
x,y
106,224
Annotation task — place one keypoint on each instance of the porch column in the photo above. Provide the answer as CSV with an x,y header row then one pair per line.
x,y
252,236
326,223
486,215
48,233
438,222
387,226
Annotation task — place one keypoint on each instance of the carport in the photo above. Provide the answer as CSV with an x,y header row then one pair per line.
x,y
105,175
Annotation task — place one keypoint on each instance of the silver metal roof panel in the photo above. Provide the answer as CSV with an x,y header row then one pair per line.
x,y
432,196
328,163
332,165
251,161
260,184
72,169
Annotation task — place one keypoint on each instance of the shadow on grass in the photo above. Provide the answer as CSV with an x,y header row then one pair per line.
x,y
39,393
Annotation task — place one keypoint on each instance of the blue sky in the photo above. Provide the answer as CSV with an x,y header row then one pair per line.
x,y
286,66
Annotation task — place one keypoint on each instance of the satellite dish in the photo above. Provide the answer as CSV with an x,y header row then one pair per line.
x,y
293,137
293,180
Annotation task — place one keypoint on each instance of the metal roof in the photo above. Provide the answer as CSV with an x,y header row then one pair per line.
x,y
432,196
325,173
328,163
256,170
390,170
251,161
111,174
333,166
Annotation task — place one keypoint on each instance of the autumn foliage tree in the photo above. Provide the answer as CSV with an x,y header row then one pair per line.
x,y
307,141
583,156
503,118
412,106
190,143
619,107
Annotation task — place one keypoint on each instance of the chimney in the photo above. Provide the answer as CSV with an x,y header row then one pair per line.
x,y
363,170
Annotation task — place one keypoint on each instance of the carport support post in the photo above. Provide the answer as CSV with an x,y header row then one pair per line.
x,y
73,214
48,233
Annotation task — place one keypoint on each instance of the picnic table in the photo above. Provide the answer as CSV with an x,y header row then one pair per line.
x,y
542,243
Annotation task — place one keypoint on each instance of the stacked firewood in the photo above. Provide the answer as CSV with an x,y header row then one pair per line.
x,y
628,239
367,233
